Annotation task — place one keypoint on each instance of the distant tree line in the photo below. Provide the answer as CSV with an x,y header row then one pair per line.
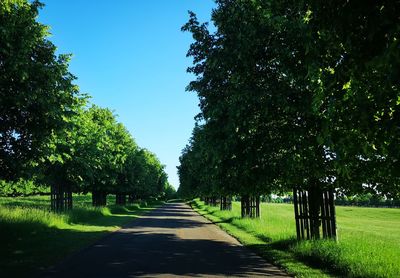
x,y
52,140
295,95
367,200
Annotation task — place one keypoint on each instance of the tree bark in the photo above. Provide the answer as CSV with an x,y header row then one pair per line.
x,y
61,197
99,198
314,211
226,203
131,198
250,206
120,199
213,201
314,205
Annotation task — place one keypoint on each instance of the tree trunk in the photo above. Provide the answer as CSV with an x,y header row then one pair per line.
x,y
250,206
61,197
314,211
226,203
99,198
120,199
214,201
131,198
314,205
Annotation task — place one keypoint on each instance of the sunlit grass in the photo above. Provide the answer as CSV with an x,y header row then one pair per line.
x,y
33,238
368,246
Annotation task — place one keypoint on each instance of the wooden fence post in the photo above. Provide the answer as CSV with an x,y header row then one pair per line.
x,y
314,213
60,197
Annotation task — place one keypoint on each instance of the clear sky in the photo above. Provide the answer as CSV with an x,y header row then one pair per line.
x,y
130,56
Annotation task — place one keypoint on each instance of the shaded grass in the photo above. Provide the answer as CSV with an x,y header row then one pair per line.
x,y
33,238
368,246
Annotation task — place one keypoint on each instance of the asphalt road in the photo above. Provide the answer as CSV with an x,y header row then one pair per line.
x,y
171,241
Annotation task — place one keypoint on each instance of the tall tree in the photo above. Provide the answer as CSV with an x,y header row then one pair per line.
x,y
36,89
283,84
354,64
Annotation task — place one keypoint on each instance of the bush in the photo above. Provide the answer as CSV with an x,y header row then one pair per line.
x,y
367,200
22,187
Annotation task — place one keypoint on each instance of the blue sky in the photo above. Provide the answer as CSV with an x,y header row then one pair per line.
x,y
130,56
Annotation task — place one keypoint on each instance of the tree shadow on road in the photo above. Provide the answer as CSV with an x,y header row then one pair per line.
x,y
28,248
30,244
167,223
132,254
144,248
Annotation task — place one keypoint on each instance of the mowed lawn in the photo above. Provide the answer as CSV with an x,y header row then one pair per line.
x,y
32,238
368,245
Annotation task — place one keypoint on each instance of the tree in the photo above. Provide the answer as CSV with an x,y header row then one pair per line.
x,y
47,129
152,178
90,156
65,161
36,89
354,63
110,152
281,87
170,192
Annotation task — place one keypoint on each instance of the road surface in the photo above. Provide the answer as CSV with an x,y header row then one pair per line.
x,y
170,241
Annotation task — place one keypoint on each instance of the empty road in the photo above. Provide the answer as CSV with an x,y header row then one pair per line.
x,y
170,241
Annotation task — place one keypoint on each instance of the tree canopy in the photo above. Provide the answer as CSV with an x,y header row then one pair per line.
x,y
36,88
295,94
50,134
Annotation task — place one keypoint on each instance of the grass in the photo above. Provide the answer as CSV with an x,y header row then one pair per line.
x,y
32,238
368,246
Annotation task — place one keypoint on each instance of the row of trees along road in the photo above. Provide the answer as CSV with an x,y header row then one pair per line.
x,y
48,130
295,95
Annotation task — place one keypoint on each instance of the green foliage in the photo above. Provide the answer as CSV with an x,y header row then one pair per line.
x,y
149,177
36,88
170,192
368,200
47,129
196,170
22,187
298,94
353,68
98,154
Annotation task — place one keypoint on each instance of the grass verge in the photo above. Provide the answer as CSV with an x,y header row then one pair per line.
x,y
33,238
368,246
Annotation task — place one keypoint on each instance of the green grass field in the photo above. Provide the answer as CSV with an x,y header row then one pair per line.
x,y
368,246
33,238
